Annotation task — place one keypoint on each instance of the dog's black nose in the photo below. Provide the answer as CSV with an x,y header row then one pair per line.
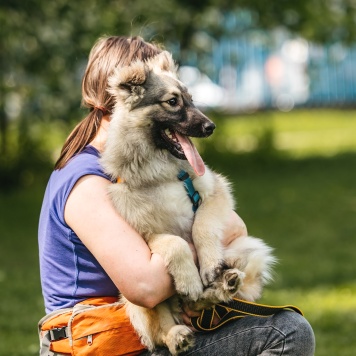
x,y
208,128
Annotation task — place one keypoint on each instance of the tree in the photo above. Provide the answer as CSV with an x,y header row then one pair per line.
x,y
44,44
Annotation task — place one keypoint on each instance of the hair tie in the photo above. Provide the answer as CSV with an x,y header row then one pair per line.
x,y
102,109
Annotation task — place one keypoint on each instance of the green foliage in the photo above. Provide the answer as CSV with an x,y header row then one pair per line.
x,y
44,44
23,166
27,155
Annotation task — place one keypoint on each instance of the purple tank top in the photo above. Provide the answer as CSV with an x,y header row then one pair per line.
x,y
69,272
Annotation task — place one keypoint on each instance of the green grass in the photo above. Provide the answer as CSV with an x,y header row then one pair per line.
x,y
301,200
20,293
299,133
306,210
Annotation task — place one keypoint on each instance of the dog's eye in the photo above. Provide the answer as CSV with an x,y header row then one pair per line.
x,y
172,102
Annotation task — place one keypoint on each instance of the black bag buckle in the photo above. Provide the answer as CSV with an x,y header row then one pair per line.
x,y
58,333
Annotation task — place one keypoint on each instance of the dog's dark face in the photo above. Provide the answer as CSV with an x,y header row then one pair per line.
x,y
173,114
157,99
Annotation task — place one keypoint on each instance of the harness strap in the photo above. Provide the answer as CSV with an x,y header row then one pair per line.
x,y
189,187
235,309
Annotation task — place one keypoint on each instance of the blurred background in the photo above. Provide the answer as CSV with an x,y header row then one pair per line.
x,y
279,80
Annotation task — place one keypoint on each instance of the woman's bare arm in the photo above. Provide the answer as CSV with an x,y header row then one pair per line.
x,y
140,276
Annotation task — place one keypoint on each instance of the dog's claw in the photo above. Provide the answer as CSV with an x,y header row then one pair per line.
x,y
210,274
179,339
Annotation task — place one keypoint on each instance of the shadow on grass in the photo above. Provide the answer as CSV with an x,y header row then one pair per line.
x,y
330,311
304,208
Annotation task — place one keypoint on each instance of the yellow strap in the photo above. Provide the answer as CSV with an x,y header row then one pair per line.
x,y
236,309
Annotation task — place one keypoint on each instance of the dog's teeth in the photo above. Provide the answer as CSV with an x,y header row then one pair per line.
x,y
169,134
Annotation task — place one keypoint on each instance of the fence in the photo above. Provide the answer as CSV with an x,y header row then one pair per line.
x,y
261,70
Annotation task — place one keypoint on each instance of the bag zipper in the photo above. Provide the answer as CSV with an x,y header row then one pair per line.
x,y
80,308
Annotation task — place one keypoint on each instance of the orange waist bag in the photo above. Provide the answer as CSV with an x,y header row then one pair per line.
x,y
96,326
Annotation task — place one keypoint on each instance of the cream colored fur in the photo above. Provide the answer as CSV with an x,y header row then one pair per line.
x,y
155,203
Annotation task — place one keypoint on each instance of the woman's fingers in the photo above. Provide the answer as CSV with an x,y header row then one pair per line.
x,y
189,312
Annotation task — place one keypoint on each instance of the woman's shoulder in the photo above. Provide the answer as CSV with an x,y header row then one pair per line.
x,y
63,180
87,159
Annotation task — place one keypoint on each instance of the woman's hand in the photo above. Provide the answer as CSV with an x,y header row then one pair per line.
x,y
186,314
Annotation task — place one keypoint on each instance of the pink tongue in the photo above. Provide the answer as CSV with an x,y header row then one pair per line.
x,y
192,154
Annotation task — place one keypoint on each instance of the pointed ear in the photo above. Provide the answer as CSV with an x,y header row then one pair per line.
x,y
125,84
164,61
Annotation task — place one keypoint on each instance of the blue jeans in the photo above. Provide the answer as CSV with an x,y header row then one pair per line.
x,y
285,333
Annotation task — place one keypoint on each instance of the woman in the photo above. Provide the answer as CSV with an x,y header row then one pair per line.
x,y
87,250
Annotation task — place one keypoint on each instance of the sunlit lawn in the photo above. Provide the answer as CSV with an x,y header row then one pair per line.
x,y
299,133
300,197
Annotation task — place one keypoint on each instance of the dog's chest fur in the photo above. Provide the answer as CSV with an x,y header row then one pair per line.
x,y
158,209
151,198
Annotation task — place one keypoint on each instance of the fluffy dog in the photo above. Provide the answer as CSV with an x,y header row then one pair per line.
x,y
148,146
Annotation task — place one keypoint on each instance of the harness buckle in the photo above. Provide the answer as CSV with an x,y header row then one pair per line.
x,y
196,200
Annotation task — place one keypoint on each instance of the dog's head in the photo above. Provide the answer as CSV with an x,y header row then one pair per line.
x,y
151,91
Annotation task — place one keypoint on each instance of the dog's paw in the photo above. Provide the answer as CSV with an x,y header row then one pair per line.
x,y
211,272
179,339
231,280
223,289
192,291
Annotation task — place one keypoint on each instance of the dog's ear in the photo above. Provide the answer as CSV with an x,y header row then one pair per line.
x,y
164,62
126,83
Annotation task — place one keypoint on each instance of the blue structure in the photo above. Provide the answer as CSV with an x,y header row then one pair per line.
x,y
257,70
332,73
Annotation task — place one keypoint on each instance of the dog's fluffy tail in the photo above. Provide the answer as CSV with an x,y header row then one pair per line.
x,y
253,257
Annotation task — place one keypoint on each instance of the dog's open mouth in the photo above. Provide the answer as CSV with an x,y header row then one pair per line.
x,y
170,137
183,148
